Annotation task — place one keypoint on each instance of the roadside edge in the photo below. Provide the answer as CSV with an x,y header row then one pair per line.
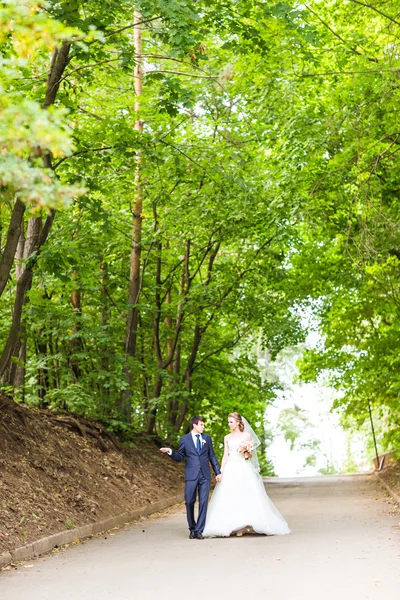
x,y
383,483
61,538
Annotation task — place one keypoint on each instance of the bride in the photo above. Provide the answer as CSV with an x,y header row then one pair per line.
x,y
240,503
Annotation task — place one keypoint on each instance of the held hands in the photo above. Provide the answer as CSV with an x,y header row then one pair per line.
x,y
218,478
165,450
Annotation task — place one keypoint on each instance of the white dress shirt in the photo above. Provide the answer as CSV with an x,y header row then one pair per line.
x,y
195,440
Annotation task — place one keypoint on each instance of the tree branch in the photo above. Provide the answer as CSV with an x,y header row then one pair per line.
x,y
131,26
224,346
81,152
185,74
235,283
102,62
390,70
376,10
339,37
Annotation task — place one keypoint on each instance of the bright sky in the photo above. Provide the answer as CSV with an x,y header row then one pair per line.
x,y
315,401
335,444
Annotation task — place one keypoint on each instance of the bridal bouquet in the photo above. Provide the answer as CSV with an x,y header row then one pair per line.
x,y
246,449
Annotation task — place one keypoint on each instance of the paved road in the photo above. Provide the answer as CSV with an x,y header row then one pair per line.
x,y
345,545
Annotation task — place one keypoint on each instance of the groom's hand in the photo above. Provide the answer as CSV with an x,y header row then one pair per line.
x,y
165,450
218,478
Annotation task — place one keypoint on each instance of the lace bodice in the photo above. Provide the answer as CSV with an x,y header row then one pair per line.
x,y
233,446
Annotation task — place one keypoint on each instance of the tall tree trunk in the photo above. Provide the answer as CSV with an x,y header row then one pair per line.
x,y
173,404
135,257
197,337
19,378
104,350
134,275
54,373
24,283
151,413
172,342
75,345
13,235
168,322
15,374
42,374
10,374
59,63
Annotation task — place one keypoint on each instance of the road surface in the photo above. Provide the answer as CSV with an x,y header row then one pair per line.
x,y
345,545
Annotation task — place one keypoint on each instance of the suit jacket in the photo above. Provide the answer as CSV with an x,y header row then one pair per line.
x,y
196,463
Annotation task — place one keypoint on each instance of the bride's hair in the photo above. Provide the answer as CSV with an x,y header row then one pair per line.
x,y
238,418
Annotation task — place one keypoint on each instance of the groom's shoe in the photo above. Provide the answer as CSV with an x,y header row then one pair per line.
x,y
198,535
192,535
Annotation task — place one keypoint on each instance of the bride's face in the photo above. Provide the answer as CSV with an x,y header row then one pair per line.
x,y
232,424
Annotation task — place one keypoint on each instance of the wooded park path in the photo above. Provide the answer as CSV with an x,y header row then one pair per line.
x,y
345,545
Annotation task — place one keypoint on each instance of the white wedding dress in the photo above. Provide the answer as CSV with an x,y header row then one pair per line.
x,y
240,501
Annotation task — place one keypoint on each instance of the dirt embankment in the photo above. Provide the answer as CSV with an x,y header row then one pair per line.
x,y
391,475
57,473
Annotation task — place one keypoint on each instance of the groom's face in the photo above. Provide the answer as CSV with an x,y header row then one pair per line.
x,y
199,427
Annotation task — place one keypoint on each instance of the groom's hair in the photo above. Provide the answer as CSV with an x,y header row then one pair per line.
x,y
195,420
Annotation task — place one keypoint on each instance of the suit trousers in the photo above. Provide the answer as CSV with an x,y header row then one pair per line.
x,y
201,485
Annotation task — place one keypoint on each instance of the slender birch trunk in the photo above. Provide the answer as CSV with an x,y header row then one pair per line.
x,y
135,257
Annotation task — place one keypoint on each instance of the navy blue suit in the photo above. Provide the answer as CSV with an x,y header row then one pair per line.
x,y
197,476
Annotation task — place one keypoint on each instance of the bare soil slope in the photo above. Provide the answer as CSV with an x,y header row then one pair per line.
x,y
59,472
391,475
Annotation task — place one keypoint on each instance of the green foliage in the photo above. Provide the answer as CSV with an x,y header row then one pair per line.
x,y
26,130
343,148
292,423
204,192
269,170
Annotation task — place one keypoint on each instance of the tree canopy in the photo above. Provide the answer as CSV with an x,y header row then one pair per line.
x,y
178,180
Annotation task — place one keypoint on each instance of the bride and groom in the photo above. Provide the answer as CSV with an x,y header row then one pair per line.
x,y
239,502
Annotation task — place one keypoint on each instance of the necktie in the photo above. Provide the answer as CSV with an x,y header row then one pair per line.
x,y
198,445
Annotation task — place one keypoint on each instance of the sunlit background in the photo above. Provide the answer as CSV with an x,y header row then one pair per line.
x,y
307,436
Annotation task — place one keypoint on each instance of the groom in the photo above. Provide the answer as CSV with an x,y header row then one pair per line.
x,y
197,450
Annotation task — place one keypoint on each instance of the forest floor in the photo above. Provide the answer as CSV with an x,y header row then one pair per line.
x,y
391,476
58,472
